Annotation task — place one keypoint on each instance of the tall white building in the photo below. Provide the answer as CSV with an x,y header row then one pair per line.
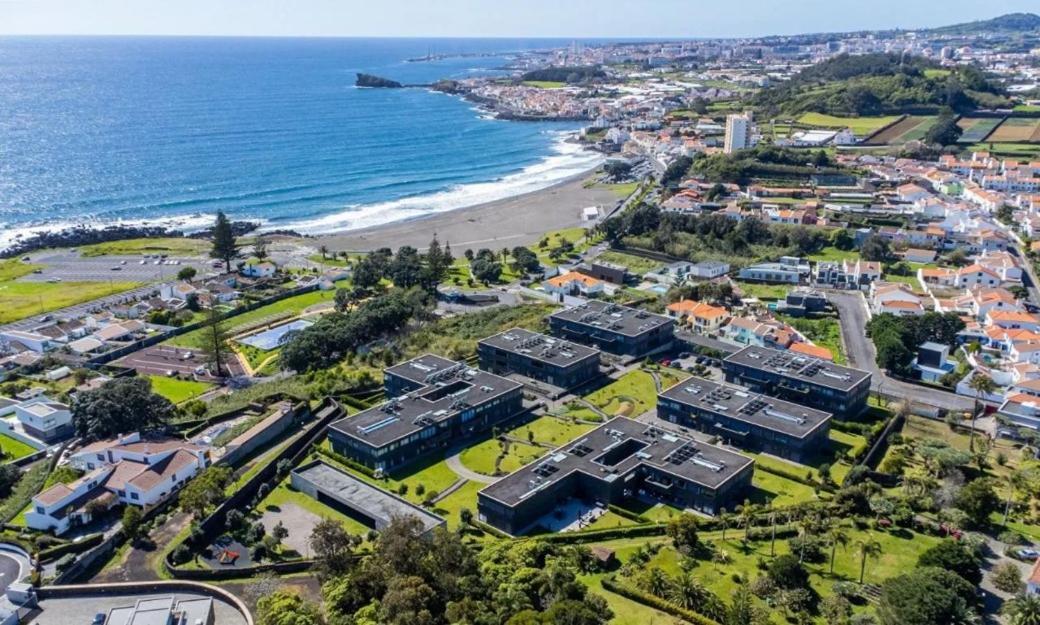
x,y
738,132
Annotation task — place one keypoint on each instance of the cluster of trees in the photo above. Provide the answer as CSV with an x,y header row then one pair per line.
x,y
405,269
336,334
742,166
945,130
940,590
896,338
873,84
685,236
119,406
413,579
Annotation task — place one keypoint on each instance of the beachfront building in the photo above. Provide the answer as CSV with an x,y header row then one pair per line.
x,y
621,460
746,420
435,403
129,470
800,378
554,361
619,330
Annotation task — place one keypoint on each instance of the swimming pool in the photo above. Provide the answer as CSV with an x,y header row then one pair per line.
x,y
273,337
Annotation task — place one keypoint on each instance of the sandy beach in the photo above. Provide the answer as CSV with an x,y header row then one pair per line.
x,y
519,220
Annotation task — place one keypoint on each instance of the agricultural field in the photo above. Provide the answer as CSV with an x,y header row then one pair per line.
x,y
912,128
1019,151
860,126
1017,130
545,84
976,129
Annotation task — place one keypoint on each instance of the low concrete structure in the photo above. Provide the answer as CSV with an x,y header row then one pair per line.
x,y
361,501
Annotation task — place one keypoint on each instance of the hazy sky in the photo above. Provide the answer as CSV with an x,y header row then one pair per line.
x,y
487,18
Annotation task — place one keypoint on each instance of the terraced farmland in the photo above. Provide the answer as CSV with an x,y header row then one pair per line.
x,y
912,128
976,129
1017,130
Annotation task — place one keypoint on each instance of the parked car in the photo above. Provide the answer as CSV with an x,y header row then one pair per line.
x,y
1027,554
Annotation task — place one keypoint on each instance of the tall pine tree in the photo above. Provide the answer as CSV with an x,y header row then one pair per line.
x,y
223,241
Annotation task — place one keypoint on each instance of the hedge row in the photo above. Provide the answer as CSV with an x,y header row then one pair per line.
x,y
347,462
628,514
591,536
52,553
791,475
488,529
656,602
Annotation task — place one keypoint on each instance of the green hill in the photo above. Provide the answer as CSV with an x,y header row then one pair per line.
x,y
1012,22
879,84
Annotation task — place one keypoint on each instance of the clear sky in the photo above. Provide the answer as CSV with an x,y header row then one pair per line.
x,y
487,18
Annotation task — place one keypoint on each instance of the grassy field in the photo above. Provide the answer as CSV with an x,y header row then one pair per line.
x,y
283,495
546,430
281,310
1007,150
177,390
636,264
823,331
170,246
861,126
833,254
19,300
13,448
763,291
631,395
545,84
1017,130
623,189
912,128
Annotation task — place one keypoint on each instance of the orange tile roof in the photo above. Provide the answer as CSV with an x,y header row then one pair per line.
x,y
812,350
573,276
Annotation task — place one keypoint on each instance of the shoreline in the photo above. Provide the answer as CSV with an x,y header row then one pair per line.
x,y
517,220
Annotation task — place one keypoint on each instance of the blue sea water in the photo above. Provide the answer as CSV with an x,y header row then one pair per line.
x,y
169,130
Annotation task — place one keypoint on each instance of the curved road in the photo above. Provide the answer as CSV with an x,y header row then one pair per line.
x,y
852,309
12,568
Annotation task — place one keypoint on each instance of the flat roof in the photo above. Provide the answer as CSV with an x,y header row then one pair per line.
x,y
375,502
421,369
615,449
799,367
454,390
541,347
613,317
741,404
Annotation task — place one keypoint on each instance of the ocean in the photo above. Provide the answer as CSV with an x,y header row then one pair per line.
x,y
167,131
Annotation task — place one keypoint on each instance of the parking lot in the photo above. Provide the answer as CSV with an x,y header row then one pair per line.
x,y
67,266
163,359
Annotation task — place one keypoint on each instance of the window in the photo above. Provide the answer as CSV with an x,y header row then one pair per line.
x,y
134,496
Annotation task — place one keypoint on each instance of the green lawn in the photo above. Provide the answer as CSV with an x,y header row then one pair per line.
x,y
833,254
14,448
623,189
545,84
630,396
283,495
170,246
432,474
177,390
25,299
280,310
636,264
450,506
763,291
779,490
548,430
822,331
861,126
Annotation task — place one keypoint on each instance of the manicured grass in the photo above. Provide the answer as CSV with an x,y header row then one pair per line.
x,y
177,390
433,475
610,520
331,261
623,189
763,291
626,611
171,246
14,448
635,264
779,490
861,126
452,505
278,311
25,299
547,430
822,331
630,396
670,377
14,269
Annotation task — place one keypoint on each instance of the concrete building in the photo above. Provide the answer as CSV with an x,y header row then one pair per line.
x,y
619,330
439,406
738,132
554,361
373,507
619,461
162,611
801,379
746,420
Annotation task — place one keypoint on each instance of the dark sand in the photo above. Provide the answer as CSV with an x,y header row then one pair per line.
x,y
519,220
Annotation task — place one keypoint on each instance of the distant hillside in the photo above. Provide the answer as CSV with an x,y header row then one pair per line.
x,y
564,74
875,84
1012,22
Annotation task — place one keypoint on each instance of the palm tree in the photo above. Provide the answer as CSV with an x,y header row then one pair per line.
x,y
867,548
838,536
1023,609
724,520
687,592
747,515
324,251
657,583
982,384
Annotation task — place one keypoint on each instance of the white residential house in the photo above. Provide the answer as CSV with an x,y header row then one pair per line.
x,y
176,291
895,298
259,269
128,470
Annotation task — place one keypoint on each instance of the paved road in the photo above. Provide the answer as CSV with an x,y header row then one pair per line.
x,y
12,568
852,308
